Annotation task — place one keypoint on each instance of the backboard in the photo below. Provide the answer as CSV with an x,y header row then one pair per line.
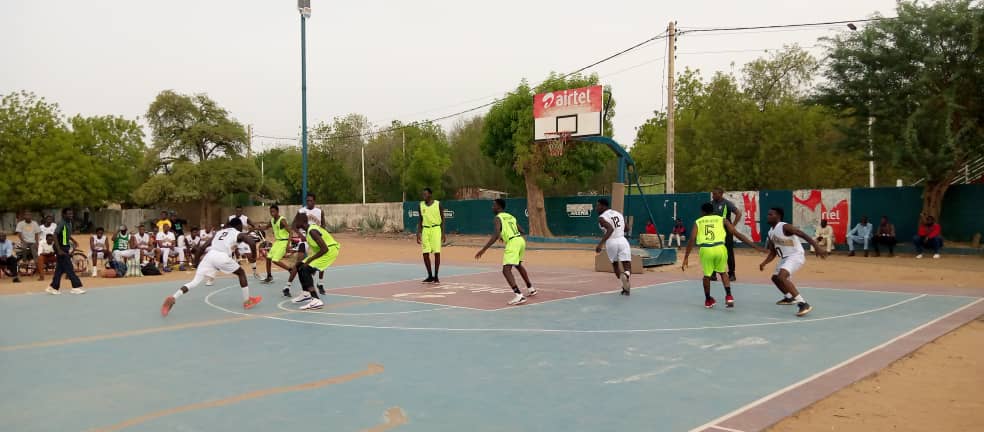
x,y
578,111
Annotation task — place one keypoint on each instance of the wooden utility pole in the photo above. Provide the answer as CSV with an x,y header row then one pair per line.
x,y
249,141
671,98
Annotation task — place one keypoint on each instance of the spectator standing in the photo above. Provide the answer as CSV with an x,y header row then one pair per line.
x,y
162,222
46,254
929,236
48,226
63,265
825,236
679,233
178,225
861,233
732,213
7,258
30,235
885,237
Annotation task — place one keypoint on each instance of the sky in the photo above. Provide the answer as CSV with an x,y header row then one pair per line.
x,y
388,60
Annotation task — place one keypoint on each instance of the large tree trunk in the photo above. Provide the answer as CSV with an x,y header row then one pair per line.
x,y
535,206
933,198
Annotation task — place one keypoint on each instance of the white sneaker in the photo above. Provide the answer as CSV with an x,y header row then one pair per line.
x,y
95,272
532,292
919,256
936,256
305,296
313,304
519,299
52,291
77,291
624,278
209,282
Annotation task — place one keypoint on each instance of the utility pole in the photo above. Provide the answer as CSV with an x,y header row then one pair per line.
x,y
671,97
249,141
304,6
403,165
871,154
363,173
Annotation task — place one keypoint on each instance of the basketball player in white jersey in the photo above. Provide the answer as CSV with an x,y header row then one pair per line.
x,y
615,243
316,217
783,242
220,258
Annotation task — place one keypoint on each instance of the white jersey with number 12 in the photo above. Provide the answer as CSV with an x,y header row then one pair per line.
x,y
617,221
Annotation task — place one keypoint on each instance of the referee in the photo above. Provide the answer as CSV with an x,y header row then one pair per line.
x,y
63,264
731,213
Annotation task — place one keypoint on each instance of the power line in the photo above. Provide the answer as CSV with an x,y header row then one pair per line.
x,y
777,26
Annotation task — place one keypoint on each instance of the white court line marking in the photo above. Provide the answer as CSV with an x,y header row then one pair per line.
x,y
572,331
282,307
769,396
725,429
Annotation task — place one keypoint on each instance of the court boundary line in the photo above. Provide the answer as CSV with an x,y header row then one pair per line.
x,y
207,300
283,308
714,423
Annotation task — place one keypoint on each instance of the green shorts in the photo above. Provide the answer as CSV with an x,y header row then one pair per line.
x,y
430,239
714,259
278,250
326,260
515,249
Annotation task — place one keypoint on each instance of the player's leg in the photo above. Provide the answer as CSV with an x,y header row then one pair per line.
x,y
321,282
181,257
624,255
200,274
511,257
309,295
729,243
511,280
526,278
710,262
787,297
611,249
426,247
784,274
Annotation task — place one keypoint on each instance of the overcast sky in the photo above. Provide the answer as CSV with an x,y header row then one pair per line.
x,y
389,60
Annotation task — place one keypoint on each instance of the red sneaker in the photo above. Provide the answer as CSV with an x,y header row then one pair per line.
x,y
709,303
168,304
730,300
253,301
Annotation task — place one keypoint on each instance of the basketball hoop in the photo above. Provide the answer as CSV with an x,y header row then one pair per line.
x,y
555,145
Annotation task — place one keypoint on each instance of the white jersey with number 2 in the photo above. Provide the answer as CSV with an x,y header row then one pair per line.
x,y
225,241
617,221
786,245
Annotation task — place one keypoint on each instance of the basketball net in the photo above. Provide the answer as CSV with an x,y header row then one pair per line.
x,y
555,146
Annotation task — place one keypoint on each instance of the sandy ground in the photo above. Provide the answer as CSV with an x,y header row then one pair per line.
x,y
937,388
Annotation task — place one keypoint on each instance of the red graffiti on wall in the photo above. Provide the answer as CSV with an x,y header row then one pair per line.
x,y
751,215
837,217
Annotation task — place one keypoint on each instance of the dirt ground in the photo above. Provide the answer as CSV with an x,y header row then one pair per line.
x,y
937,388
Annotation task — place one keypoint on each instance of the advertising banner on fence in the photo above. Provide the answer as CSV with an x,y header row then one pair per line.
x,y
748,203
812,205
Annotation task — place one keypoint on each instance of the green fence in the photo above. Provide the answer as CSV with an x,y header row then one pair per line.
x,y
963,211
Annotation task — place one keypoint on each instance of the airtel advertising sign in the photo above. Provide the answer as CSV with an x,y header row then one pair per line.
x,y
584,99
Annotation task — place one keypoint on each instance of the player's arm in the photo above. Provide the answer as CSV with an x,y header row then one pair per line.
x,y
608,233
738,214
771,256
322,247
248,239
690,245
497,228
792,230
420,225
738,235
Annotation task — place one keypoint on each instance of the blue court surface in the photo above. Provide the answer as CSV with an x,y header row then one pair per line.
x,y
657,361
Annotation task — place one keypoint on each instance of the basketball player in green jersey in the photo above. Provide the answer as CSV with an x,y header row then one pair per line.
x,y
430,233
281,240
322,252
709,232
509,231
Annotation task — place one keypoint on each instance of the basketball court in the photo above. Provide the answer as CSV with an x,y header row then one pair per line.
x,y
387,353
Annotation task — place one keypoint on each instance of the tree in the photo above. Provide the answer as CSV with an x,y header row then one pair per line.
x,y
117,148
276,164
43,166
193,128
919,78
208,182
472,168
428,157
508,140
784,76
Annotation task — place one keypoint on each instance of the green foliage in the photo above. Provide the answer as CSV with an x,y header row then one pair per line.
x,y
207,181
49,164
276,164
760,136
427,161
117,148
919,77
373,223
472,168
194,128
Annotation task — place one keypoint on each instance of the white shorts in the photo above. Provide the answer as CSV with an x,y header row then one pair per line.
x,y
212,262
100,254
791,264
243,248
618,249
